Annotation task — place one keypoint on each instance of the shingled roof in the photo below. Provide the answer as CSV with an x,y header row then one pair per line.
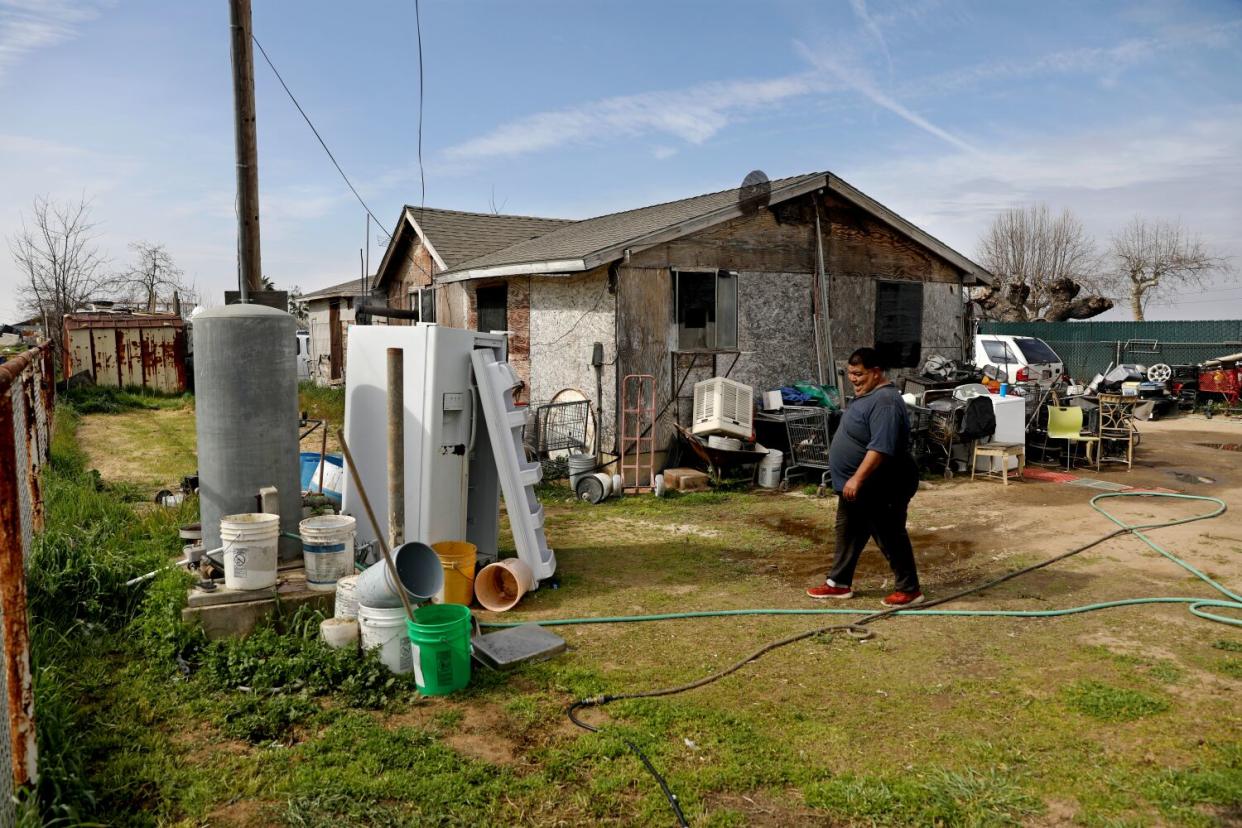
x,y
458,237
353,287
585,244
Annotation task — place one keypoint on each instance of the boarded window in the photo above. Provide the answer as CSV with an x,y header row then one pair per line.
x,y
899,323
706,310
492,304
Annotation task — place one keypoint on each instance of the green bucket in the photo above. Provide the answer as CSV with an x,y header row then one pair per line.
x,y
440,644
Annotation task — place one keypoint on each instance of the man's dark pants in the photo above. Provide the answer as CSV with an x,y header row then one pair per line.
x,y
874,515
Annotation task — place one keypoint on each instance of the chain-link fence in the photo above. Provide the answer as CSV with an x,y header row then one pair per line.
x,y
26,399
1089,348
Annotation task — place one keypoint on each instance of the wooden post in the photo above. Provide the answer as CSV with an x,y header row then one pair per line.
x,y
250,264
396,448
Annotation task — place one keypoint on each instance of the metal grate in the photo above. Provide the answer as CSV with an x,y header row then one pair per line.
x,y
562,427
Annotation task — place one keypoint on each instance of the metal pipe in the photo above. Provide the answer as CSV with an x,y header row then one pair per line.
x,y
384,310
379,536
396,448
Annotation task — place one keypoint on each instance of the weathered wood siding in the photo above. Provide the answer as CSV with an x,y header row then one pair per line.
x,y
568,314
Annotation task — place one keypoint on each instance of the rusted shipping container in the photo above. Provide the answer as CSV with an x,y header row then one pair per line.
x,y
128,349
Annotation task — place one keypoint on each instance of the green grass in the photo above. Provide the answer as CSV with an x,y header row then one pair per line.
x,y
951,722
937,797
102,399
1112,704
322,403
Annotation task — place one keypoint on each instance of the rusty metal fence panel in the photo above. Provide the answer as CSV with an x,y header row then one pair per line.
x,y
26,400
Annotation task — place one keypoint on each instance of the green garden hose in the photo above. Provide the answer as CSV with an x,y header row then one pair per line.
x,y
1195,605
1231,601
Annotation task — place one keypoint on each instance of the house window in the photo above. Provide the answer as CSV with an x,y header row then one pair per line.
x,y
899,323
706,304
492,306
423,302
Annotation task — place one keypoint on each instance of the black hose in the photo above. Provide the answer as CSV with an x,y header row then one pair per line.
x,y
856,629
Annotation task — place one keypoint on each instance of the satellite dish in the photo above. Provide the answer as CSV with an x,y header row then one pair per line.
x,y
755,192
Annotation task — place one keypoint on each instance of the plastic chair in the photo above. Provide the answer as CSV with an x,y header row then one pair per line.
x,y
1065,423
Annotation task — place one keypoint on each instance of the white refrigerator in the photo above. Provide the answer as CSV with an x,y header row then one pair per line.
x,y
451,483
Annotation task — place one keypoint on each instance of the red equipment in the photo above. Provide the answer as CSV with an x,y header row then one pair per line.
x,y
1222,376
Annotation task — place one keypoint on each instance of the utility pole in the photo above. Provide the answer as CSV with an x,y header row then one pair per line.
x,y
250,266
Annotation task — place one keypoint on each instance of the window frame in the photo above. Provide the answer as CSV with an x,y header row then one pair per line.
x,y
714,344
414,301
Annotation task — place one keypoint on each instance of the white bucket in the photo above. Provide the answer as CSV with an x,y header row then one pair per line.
x,y
385,628
339,633
347,598
327,550
770,469
727,443
249,542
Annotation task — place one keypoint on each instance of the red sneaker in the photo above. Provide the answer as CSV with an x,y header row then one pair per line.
x,y
830,590
902,599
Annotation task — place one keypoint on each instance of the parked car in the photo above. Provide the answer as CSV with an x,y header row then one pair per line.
x,y
1019,358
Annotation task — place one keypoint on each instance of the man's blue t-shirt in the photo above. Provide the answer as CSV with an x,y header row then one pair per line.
x,y
875,421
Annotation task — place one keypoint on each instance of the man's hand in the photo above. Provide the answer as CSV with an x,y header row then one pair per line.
x,y
850,490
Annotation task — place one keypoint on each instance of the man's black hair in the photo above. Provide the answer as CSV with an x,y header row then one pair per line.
x,y
868,358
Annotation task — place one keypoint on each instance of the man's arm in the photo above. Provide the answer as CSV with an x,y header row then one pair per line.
x,y
870,463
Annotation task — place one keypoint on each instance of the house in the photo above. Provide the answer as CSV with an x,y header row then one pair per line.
x,y
330,312
721,284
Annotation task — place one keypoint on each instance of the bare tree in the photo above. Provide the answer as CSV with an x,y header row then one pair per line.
x,y
1042,262
60,264
1152,256
153,276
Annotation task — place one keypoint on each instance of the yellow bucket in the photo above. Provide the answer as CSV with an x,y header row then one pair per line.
x,y
458,559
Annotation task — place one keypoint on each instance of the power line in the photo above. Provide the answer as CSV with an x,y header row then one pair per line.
x,y
422,179
319,137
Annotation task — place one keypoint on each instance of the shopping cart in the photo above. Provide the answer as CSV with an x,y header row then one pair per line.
x,y
807,428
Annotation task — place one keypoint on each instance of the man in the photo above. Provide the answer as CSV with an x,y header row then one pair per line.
x,y
874,477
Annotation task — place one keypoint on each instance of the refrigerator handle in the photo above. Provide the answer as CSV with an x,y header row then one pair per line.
x,y
474,410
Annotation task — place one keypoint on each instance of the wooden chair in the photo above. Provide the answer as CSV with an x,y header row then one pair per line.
x,y
1065,423
1117,425
1000,450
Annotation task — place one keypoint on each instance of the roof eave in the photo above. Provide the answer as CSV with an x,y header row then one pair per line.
x,y
702,222
519,269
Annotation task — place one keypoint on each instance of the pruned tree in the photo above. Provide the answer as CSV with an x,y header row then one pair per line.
x,y
1042,262
1154,256
61,266
151,278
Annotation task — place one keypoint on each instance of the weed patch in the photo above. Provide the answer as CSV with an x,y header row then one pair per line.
x,y
103,399
935,797
1112,704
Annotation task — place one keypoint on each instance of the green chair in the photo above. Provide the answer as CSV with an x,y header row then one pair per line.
x,y
1065,423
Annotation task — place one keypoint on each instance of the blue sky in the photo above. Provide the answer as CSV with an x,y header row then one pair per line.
x,y
945,110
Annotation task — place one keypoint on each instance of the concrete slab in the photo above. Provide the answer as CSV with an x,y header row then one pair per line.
x,y
230,613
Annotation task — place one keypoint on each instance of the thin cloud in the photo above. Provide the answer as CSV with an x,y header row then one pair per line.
x,y
29,25
862,83
859,8
693,115
1106,61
